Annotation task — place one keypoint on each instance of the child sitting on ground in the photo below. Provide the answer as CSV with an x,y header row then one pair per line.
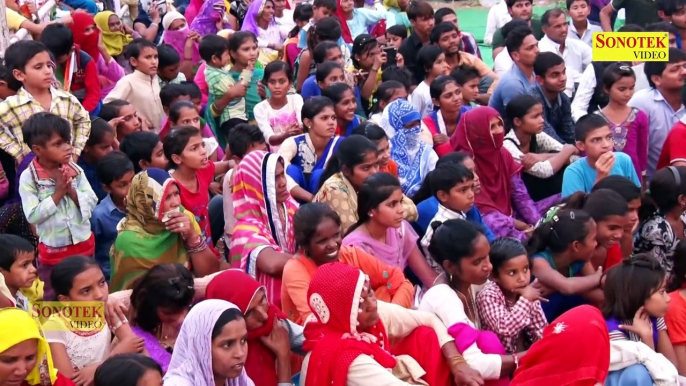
x,y
145,150
99,145
17,269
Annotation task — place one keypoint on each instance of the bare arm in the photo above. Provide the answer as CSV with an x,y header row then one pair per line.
x,y
303,69
680,352
272,262
664,347
565,285
606,17
421,268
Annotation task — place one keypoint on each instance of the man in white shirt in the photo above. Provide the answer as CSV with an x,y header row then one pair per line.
x,y
576,54
498,16
503,62
579,27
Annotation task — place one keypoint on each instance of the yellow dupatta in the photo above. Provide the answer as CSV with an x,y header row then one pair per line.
x,y
114,41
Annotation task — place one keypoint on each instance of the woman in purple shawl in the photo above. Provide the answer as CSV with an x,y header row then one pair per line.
x,y
211,347
260,21
210,19
176,34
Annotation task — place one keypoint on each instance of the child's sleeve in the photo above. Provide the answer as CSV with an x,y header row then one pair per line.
x,y
503,321
538,322
261,112
81,123
572,180
629,169
87,198
35,210
121,91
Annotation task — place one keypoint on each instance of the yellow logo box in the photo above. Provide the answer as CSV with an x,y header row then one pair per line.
x,y
630,46
79,317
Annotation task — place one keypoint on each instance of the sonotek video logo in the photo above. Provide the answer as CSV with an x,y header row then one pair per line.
x,y
630,46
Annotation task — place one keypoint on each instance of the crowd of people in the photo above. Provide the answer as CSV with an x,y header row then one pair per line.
x,y
341,192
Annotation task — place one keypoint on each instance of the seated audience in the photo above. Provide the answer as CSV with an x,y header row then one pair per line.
x,y
580,27
550,70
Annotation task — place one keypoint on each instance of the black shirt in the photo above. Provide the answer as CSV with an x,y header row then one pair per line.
x,y
409,51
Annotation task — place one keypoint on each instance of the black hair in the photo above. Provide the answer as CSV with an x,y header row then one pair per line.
x,y
350,153
302,12
371,131
162,286
628,285
168,56
12,245
362,44
313,106
238,38
440,29
40,127
193,89
447,176
520,106
326,29
229,315
614,72
550,14
511,25
515,39
322,49
657,68
7,77
398,74
376,189
124,369
328,4
176,107
110,110
464,74
18,54
325,69
136,47
620,184
511,3
58,39
599,204
171,92
630,28
99,128
678,275
398,30
64,272
663,27
670,7
335,92
424,191
243,136
664,192
176,142
274,67
504,249
112,167
545,61
419,10
308,217
440,13
558,233
586,124
385,92
138,146
438,86
211,46
570,2
453,240
426,57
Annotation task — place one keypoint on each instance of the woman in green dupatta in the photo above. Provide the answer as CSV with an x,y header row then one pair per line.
x,y
156,230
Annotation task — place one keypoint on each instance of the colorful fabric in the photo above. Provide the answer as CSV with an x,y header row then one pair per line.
x,y
239,288
346,35
332,336
143,241
574,350
486,341
177,39
255,12
676,319
87,43
340,194
23,328
114,41
396,251
191,362
494,164
155,350
16,109
197,203
205,23
258,224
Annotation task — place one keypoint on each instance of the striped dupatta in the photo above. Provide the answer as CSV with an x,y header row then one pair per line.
x,y
258,225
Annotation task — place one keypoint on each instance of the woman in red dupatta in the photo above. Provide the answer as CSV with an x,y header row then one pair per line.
x,y
504,202
249,296
348,337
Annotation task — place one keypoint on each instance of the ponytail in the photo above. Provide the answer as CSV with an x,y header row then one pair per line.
x,y
558,233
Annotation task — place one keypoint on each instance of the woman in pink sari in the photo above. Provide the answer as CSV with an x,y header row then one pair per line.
x,y
176,34
263,239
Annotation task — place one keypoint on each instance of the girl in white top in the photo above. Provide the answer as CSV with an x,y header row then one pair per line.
x,y
279,116
431,61
462,249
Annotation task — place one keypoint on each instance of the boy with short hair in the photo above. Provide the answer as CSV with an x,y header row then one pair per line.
x,y
145,150
16,266
674,11
55,194
169,70
580,27
518,9
452,185
171,93
467,77
8,84
320,10
421,15
593,136
75,70
115,172
196,97
396,35
141,88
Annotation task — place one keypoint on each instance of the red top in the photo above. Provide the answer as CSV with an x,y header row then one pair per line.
x,y
60,381
674,148
443,148
614,256
197,202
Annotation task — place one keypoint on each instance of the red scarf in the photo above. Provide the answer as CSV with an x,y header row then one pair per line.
x,y
334,298
345,30
574,351
494,164
87,43
239,288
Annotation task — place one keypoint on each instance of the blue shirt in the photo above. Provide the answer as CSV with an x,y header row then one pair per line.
x,y
104,222
427,209
580,176
512,84
92,176
311,89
